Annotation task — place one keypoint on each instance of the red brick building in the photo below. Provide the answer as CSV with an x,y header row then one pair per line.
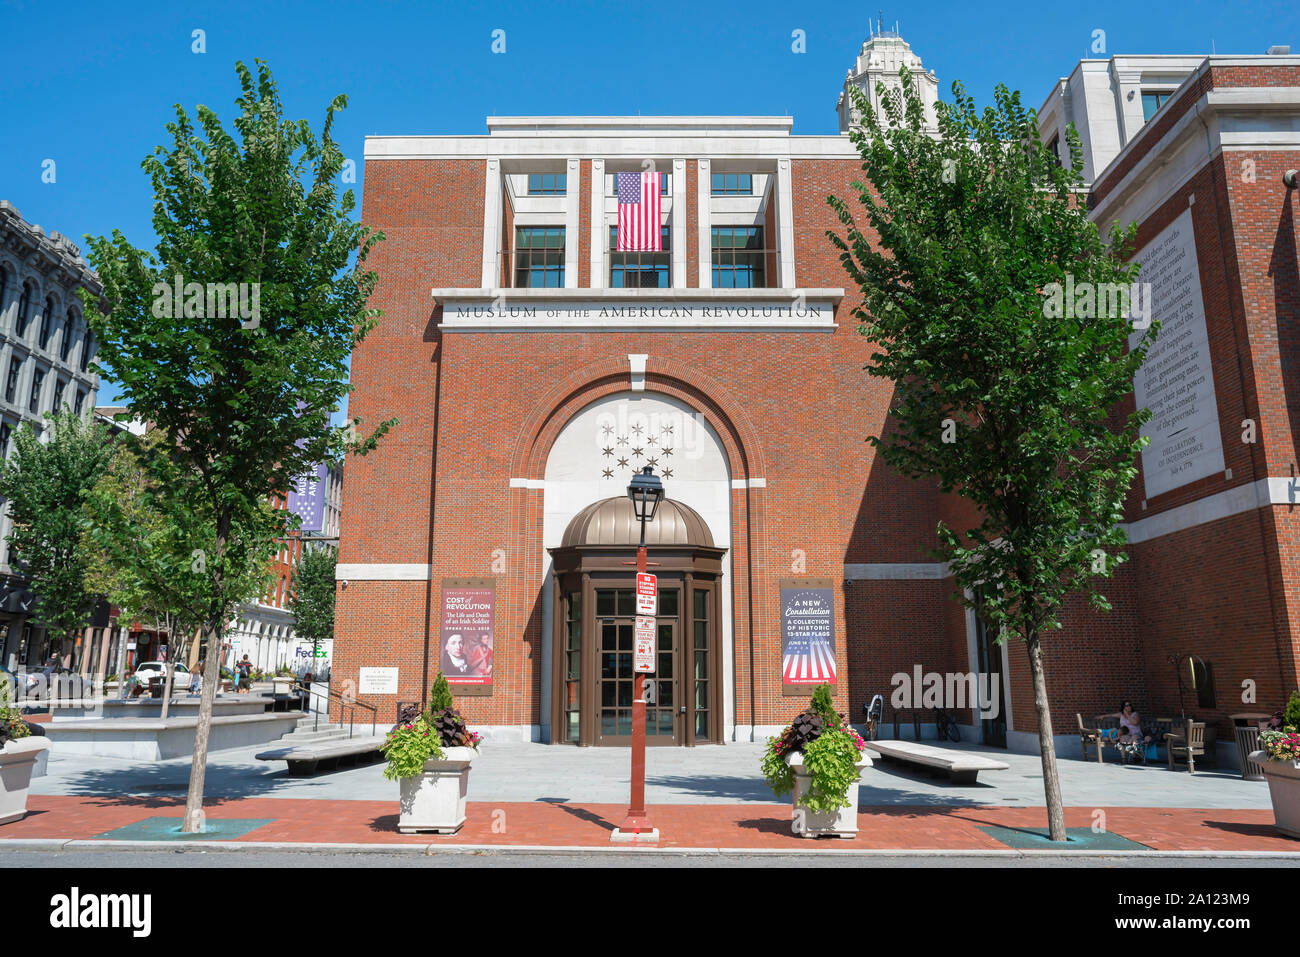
x,y
534,368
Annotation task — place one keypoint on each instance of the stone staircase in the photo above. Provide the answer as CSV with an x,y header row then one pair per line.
x,y
308,730
310,748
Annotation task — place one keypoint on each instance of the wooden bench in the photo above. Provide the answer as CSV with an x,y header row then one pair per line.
x,y
310,757
961,766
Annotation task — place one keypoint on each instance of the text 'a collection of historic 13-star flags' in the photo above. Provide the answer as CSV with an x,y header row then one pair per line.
x,y
638,212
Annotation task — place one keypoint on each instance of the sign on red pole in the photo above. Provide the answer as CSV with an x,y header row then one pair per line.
x,y
643,635
647,591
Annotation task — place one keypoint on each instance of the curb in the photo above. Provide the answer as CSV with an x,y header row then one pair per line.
x,y
429,850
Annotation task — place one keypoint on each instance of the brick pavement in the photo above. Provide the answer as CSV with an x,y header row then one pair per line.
x,y
541,823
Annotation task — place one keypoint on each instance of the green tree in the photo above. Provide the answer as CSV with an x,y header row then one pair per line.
x,y
1009,401
312,601
243,395
145,535
46,483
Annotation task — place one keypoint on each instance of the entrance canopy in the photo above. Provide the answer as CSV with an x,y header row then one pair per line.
x,y
612,521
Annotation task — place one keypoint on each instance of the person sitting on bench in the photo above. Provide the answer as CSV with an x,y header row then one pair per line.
x,y
1131,738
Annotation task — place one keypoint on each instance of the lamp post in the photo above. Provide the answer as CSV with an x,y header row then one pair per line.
x,y
646,492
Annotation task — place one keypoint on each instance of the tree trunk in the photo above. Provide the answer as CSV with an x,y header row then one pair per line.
x,y
121,661
194,817
1046,742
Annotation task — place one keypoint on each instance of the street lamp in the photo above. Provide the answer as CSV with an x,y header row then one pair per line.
x,y
646,492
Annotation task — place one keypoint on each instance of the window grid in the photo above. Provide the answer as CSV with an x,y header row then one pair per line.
x,y
539,257
732,184
738,257
548,184
1152,100
640,270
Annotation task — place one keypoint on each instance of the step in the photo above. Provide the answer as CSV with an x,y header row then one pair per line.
x,y
298,737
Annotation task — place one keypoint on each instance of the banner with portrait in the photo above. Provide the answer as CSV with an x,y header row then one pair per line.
x,y
465,655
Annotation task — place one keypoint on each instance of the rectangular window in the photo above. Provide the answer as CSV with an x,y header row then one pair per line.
x,y
640,270
547,184
47,323
87,347
1152,100
81,399
1055,147
6,430
58,394
738,257
733,184
700,660
539,257
11,387
573,668
38,379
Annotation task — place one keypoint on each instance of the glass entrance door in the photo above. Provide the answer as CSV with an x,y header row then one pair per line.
x,y
615,623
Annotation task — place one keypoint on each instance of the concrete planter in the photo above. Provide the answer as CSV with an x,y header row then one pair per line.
x,y
1284,788
282,685
841,823
17,762
435,800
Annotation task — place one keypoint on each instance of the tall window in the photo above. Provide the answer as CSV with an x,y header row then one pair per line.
x,y
573,668
738,257
539,257
47,323
1152,100
65,344
38,379
81,399
733,184
640,270
59,385
6,430
4,288
11,386
24,309
87,347
547,184
700,660
1055,147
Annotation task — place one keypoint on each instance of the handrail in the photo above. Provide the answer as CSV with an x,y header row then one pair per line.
x,y
345,702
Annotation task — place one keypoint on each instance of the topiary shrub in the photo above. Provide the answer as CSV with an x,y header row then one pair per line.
x,y
440,698
1291,718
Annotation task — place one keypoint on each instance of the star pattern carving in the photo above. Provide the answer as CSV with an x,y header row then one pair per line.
x,y
652,462
608,473
622,440
607,452
638,452
667,452
637,430
668,473
650,440
607,429
622,463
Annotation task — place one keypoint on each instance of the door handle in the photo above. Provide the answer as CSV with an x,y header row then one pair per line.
x,y
682,709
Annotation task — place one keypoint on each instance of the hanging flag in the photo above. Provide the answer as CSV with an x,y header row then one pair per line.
x,y
638,212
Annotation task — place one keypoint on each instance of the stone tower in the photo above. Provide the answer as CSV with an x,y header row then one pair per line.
x,y
884,52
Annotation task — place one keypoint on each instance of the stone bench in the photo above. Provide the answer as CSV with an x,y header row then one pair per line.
x,y
310,757
962,766
155,739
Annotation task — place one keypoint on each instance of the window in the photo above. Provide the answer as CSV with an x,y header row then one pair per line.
x,y
733,184
6,430
38,379
65,345
58,394
47,322
81,398
1152,100
700,661
547,184
663,184
24,309
11,387
640,270
1055,147
573,668
88,346
539,257
738,257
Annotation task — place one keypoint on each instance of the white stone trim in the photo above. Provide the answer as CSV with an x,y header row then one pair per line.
x,y
895,571
637,362
491,222
703,195
599,236
527,483
381,572
784,224
677,226
1244,498
748,483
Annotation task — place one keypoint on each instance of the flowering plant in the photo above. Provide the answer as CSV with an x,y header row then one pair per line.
x,y
831,751
407,747
1280,745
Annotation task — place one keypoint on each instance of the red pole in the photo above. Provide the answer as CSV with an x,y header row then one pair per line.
x,y
636,821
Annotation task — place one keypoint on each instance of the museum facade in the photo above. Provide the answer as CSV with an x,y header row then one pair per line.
x,y
535,366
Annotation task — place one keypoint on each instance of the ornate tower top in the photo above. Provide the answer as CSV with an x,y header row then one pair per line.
x,y
881,57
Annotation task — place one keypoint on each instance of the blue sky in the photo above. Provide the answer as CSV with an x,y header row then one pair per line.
x,y
91,86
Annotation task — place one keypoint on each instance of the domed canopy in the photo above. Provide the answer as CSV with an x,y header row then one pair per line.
x,y
612,521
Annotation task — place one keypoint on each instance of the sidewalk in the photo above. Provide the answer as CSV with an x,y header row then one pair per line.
x,y
699,798
294,821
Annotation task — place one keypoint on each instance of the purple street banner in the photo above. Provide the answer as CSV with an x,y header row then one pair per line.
x,y
307,499
465,639
807,635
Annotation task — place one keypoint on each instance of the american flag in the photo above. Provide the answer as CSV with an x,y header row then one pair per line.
x,y
638,212
814,663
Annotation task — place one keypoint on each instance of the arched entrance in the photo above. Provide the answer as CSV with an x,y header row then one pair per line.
x,y
591,673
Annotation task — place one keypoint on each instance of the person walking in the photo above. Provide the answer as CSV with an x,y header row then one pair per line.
x,y
245,671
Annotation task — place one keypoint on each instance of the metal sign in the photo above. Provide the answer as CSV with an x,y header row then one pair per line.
x,y
643,636
647,591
